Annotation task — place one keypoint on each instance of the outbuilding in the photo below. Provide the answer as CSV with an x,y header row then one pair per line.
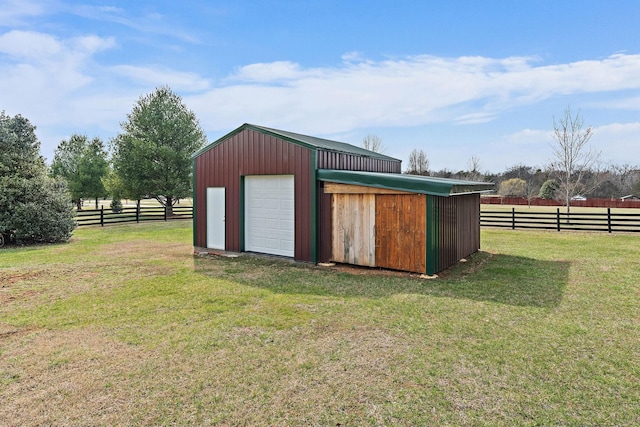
x,y
270,191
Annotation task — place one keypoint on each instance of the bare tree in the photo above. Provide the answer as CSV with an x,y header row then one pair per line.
x,y
373,142
474,169
573,159
624,176
418,163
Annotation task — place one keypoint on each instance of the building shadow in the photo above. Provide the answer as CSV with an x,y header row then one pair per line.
x,y
503,279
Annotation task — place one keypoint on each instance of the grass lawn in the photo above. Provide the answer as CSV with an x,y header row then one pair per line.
x,y
125,326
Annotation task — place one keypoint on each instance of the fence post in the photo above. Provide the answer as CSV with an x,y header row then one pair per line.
x,y
558,218
513,218
165,212
138,213
101,216
609,219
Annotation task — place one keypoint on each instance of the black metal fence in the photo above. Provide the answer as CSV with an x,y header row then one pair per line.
x,y
578,221
132,214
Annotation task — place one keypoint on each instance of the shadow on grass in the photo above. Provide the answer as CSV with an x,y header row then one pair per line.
x,y
498,278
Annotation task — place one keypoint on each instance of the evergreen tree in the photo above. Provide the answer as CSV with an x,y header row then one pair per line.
x,y
152,156
34,207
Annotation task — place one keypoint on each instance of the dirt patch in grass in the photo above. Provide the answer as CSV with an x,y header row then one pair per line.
x,y
16,286
11,332
137,248
9,278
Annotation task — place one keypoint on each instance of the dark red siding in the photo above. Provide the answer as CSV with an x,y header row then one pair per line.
x,y
352,162
459,228
253,153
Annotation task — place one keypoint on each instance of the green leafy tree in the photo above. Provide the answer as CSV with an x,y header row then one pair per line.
x,y
513,187
93,166
83,163
549,189
34,207
152,156
65,164
114,187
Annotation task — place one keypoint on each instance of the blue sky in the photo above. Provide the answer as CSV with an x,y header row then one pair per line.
x,y
457,79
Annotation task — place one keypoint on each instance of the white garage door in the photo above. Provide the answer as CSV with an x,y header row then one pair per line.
x,y
269,214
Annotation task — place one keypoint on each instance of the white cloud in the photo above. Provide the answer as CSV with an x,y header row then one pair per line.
x,y
148,24
269,72
39,70
619,142
14,12
354,56
408,91
58,82
159,76
28,45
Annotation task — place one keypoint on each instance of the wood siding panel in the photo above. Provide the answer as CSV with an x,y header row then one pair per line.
x,y
401,232
250,153
353,227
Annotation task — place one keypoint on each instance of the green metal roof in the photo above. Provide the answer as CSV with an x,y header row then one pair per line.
x,y
402,182
304,140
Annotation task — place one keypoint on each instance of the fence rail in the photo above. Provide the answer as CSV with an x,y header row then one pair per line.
x,y
553,220
536,201
104,216
577,221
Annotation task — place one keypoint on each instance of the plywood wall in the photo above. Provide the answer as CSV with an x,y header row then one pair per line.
x,y
353,229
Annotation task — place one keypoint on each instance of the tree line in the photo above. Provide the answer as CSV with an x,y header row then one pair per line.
x,y
575,169
149,158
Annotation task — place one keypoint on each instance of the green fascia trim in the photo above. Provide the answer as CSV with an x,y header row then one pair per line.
x,y
314,207
432,236
193,200
442,187
306,141
241,213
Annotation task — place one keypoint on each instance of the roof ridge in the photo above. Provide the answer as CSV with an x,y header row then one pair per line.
x,y
329,144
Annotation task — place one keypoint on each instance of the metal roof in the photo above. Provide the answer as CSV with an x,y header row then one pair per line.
x,y
304,140
411,183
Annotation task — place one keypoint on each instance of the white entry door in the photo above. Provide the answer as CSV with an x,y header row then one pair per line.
x,y
216,218
269,214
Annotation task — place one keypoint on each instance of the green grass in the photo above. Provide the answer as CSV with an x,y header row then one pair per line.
x,y
125,326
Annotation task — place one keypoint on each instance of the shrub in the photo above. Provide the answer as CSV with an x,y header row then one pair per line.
x,y
549,189
116,205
